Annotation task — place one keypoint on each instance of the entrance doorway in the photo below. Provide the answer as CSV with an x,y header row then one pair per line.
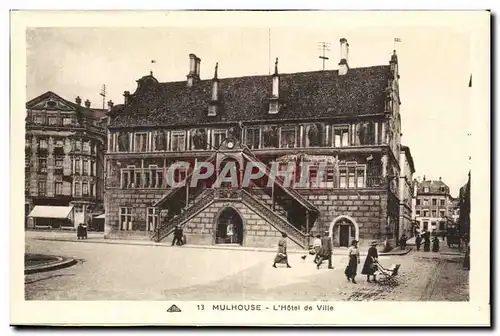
x,y
229,227
344,231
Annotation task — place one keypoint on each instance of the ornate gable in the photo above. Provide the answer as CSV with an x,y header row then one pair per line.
x,y
50,101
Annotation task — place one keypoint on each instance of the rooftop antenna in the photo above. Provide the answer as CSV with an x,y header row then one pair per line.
x,y
324,47
269,49
103,94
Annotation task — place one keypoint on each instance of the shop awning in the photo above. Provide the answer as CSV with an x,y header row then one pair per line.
x,y
102,216
44,211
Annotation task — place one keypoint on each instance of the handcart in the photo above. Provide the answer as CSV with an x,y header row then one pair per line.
x,y
388,275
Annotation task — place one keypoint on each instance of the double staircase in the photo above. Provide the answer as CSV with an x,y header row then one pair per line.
x,y
252,201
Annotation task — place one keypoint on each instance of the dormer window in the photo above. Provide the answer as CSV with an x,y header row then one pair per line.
x,y
212,110
273,106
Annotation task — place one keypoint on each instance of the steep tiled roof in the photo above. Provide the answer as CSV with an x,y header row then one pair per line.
x,y
318,94
434,187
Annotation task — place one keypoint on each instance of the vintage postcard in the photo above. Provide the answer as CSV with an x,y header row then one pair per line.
x,y
250,168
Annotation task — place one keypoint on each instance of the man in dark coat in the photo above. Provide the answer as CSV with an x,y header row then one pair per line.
x,y
402,242
418,241
177,236
325,252
79,231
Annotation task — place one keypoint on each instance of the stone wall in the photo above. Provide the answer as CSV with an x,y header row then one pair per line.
x,y
138,200
257,231
366,208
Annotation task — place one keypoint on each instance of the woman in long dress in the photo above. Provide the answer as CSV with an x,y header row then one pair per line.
x,y
282,256
352,267
369,267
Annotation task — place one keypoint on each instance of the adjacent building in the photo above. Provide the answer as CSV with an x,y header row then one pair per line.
x,y
464,209
434,207
346,119
64,156
406,186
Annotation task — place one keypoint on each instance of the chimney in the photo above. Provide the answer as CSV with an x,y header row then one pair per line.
x,y
78,100
344,56
214,101
274,104
276,81
424,177
126,96
439,178
394,65
87,103
110,105
194,70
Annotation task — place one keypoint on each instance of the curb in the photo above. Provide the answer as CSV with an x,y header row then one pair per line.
x,y
211,247
51,266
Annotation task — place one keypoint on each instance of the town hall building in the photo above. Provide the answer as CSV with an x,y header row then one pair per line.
x,y
346,120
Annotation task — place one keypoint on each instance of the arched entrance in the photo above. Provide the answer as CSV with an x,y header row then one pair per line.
x,y
229,227
343,230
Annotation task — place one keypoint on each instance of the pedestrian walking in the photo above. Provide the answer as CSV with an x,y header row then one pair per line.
x,y
427,242
352,266
370,266
466,263
84,231
79,231
402,242
177,236
418,241
317,248
325,251
435,244
282,256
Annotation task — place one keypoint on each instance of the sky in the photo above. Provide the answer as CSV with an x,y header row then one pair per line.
x,y
434,63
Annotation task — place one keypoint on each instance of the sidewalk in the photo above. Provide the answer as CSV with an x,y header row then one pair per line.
x,y
98,238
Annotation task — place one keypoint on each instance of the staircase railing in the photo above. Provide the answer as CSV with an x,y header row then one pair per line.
x,y
205,198
277,221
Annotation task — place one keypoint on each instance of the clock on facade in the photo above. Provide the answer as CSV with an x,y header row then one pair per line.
x,y
230,144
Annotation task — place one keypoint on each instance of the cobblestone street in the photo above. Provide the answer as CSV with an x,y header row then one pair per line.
x,y
128,272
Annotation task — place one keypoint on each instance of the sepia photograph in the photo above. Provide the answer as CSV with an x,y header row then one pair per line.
x,y
214,165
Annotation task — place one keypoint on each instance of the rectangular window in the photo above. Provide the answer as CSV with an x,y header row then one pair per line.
x,y
352,176
141,142
426,213
159,178
434,202
86,146
442,189
77,146
418,201
67,121
441,202
42,143
39,120
85,189
52,120
77,166
59,142
417,213
59,188
328,178
85,167
78,189
426,189
125,179
343,178
42,188
340,136
178,141
434,213
27,162
179,174
441,213
441,226
288,137
253,138
426,226
426,202
42,165
218,136
160,140
151,221
125,218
